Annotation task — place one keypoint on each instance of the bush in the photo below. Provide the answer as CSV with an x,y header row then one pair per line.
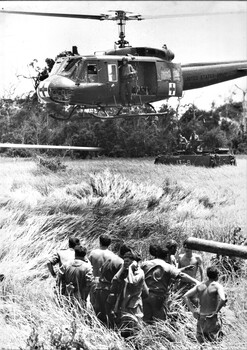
x,y
230,266
52,164
214,138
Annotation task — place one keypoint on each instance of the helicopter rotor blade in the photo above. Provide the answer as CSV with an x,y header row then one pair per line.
x,y
100,17
103,17
52,14
193,14
76,148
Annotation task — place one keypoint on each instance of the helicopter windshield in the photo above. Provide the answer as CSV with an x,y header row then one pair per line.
x,y
68,67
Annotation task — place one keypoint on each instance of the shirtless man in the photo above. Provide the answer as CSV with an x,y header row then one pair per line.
x,y
212,298
190,263
98,257
192,260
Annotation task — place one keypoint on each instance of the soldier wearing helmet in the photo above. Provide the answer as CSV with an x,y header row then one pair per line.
x,y
127,76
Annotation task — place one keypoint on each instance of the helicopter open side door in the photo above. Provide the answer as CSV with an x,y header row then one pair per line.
x,y
169,79
144,85
146,81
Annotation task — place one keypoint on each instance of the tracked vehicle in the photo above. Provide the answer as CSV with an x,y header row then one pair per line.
x,y
207,158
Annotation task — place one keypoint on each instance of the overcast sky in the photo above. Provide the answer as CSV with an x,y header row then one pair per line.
x,y
192,39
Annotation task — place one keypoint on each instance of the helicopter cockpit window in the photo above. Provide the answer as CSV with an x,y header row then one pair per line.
x,y
92,73
112,72
69,67
56,67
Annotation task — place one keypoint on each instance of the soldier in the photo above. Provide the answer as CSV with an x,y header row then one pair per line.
x,y
153,248
126,294
62,258
100,255
193,141
191,264
107,272
159,276
212,298
194,136
127,75
78,276
183,142
172,247
189,259
44,73
97,258
50,63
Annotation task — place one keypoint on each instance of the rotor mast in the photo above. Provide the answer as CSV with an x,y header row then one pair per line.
x,y
121,17
121,21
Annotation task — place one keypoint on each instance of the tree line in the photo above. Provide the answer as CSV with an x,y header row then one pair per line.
x,y
25,120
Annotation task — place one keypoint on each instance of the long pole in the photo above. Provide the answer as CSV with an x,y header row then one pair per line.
x,y
216,247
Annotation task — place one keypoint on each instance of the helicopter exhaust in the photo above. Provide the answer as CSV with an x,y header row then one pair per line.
x,y
75,50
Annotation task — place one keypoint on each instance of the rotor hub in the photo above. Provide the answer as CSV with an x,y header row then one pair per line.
x,y
121,17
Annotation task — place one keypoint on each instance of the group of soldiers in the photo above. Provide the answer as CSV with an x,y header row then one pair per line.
x,y
192,145
124,290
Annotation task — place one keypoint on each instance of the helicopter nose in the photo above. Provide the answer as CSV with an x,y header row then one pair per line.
x,y
56,89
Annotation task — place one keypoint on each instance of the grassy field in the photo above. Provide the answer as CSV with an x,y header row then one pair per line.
x,y
134,201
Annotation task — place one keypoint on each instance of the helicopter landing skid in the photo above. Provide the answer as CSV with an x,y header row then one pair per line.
x,y
125,112
113,112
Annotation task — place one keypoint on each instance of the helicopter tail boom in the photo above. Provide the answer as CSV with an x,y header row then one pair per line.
x,y
205,74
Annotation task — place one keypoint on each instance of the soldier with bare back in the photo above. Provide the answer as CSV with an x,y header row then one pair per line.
x,y
100,255
97,258
212,298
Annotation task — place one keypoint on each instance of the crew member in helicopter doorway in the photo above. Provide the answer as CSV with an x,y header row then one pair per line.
x,y
127,76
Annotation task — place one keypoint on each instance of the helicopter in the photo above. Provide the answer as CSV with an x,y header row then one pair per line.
x,y
92,82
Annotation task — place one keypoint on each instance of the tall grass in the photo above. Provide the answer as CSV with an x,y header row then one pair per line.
x,y
134,201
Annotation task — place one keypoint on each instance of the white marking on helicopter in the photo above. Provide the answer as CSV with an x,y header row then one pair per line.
x,y
43,88
172,89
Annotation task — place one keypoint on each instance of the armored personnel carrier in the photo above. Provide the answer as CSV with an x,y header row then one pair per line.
x,y
207,158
